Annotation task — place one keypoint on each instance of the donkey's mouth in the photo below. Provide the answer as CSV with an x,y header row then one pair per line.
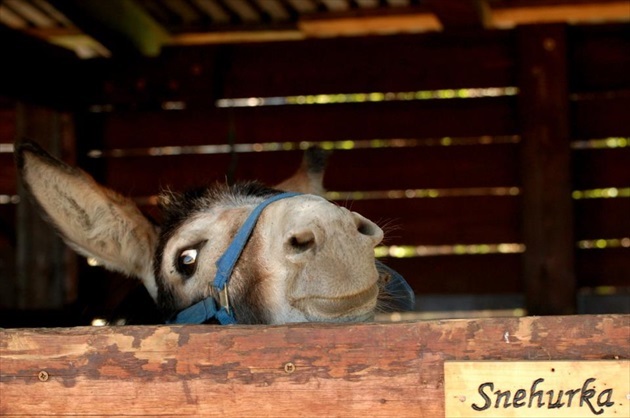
x,y
346,307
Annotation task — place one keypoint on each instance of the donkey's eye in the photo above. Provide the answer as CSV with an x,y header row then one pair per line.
x,y
188,257
187,262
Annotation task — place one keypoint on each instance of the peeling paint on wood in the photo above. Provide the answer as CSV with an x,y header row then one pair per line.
x,y
342,370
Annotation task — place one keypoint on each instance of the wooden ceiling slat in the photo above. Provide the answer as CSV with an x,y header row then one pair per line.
x,y
303,6
235,18
216,12
244,10
292,12
184,11
11,19
398,3
31,13
54,13
229,21
263,15
367,3
159,12
336,5
274,9
461,14
122,27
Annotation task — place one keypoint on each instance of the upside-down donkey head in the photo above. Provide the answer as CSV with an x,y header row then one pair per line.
x,y
307,259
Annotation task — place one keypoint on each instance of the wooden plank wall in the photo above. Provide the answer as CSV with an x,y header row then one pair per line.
x,y
200,76
314,370
8,232
38,271
128,114
600,98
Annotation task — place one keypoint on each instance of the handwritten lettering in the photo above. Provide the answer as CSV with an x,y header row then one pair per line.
x,y
534,397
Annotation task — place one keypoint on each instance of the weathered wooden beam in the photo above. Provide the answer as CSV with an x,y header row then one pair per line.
x,y
202,38
314,370
369,25
121,26
548,262
524,12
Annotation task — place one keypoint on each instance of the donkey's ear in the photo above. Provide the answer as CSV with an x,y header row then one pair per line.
x,y
92,219
309,178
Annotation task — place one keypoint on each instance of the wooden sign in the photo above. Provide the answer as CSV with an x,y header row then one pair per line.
x,y
531,389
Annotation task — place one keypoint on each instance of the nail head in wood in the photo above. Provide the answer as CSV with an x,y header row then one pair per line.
x,y
289,368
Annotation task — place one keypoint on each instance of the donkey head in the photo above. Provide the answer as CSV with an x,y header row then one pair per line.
x,y
307,259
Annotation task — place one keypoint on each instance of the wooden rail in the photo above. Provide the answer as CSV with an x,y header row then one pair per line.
x,y
377,370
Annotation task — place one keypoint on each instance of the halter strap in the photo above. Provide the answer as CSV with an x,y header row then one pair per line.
x,y
207,308
225,264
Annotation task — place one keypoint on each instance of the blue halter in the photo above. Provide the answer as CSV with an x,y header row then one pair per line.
x,y
207,308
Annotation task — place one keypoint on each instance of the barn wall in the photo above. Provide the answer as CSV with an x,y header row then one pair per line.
x,y
8,237
448,172
37,270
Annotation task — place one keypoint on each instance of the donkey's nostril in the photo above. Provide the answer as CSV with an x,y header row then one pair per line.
x,y
365,226
368,228
302,241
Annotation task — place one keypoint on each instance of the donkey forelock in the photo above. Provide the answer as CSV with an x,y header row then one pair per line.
x,y
177,207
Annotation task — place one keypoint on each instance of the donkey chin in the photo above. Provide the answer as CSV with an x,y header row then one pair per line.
x,y
356,307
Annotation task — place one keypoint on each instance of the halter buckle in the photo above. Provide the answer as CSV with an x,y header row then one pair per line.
x,y
224,299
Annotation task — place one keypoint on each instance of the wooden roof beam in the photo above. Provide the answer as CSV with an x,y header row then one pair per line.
x,y
120,25
611,11
317,28
369,25
461,14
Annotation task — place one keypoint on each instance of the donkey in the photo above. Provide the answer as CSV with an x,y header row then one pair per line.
x,y
245,253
